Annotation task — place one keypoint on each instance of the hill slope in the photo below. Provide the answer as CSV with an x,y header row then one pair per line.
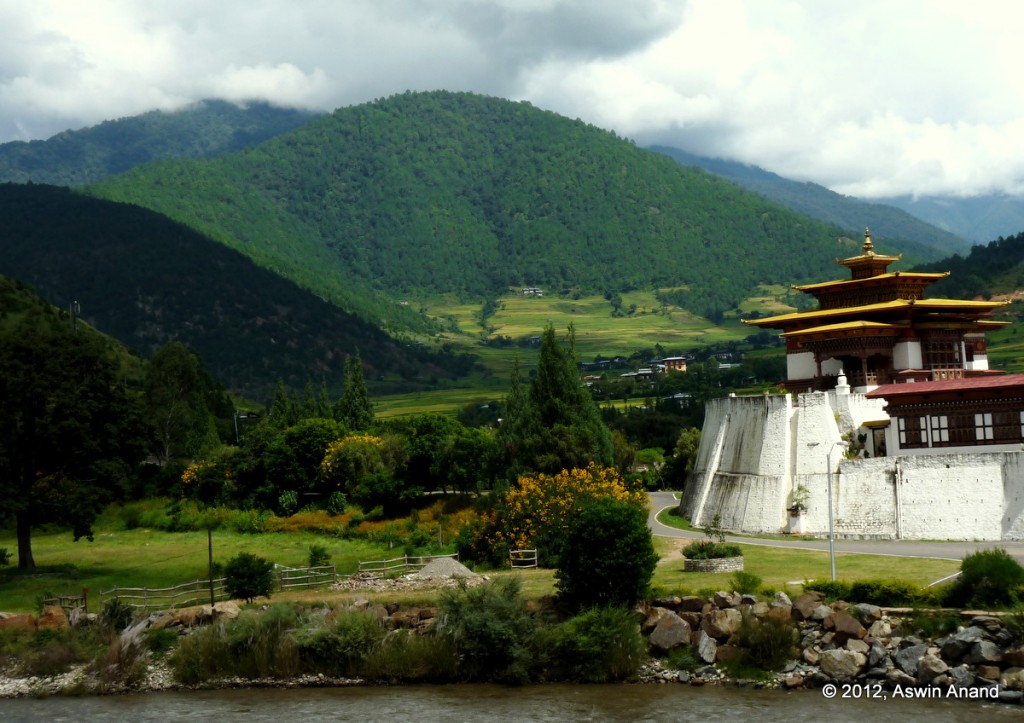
x,y
892,225
979,219
428,193
146,280
87,155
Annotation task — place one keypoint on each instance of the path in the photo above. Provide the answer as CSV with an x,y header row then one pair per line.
x,y
897,548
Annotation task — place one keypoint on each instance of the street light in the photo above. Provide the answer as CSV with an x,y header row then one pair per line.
x,y
831,528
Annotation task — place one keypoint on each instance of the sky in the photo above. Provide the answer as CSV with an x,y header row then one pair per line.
x,y
869,98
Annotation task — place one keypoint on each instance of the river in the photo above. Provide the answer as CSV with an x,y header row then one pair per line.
x,y
555,703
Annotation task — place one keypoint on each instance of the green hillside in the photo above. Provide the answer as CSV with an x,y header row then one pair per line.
x,y
450,193
148,280
202,130
892,226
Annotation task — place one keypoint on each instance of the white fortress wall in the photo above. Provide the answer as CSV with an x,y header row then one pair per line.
x,y
800,365
863,499
1013,497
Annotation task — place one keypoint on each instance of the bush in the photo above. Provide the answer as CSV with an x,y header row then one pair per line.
x,y
248,577
490,630
607,555
336,503
987,578
602,645
767,643
341,647
5,557
288,503
319,556
745,583
710,550
117,614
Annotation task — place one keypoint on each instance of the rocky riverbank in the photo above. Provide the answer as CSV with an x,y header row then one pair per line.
x,y
850,650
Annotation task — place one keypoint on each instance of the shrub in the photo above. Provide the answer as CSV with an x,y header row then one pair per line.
x,y
288,502
248,577
319,556
341,647
336,503
987,578
117,614
607,555
490,630
767,643
601,645
745,583
5,557
709,550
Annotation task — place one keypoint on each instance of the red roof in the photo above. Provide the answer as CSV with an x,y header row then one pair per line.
x,y
988,382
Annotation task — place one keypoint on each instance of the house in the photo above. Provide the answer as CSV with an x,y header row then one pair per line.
x,y
891,395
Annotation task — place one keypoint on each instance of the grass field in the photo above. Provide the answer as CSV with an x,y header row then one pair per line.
x,y
147,558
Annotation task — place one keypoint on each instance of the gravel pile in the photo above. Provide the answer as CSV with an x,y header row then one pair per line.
x,y
443,568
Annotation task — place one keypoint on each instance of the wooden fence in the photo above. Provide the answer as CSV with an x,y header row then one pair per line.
x,y
399,565
70,602
197,592
523,558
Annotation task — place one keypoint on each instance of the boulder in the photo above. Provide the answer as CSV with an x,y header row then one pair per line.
x,y
692,603
654,616
727,653
721,624
930,667
1014,657
1012,679
672,602
984,652
811,655
988,672
706,647
724,600
805,604
844,627
856,645
53,618
820,613
781,599
869,613
962,676
959,643
907,659
880,629
840,664
671,632
11,620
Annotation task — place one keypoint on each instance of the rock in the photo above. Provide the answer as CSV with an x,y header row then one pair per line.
x,y
692,604
821,612
930,667
781,599
654,616
793,681
53,618
898,677
780,613
671,602
845,627
724,600
958,644
880,629
692,619
907,659
671,632
841,664
988,623
1014,657
720,624
962,676
759,609
811,655
706,646
878,655
12,621
856,645
1013,697
804,605
1012,678
984,652
727,653
750,600
869,614
987,672
227,610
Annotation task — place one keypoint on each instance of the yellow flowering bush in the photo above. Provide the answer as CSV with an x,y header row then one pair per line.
x,y
535,512
208,481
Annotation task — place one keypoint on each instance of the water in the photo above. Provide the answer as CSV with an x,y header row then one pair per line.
x,y
556,703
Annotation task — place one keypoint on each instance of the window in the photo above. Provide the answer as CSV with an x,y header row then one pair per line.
x,y
913,432
983,427
939,425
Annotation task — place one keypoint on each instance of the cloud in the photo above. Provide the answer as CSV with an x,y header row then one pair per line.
x,y
869,98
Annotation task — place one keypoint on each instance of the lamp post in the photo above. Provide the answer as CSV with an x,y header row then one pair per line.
x,y
831,527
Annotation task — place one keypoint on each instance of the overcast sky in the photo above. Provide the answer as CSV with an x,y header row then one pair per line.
x,y
873,97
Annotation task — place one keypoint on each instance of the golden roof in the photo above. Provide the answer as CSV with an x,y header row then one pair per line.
x,y
858,326
910,276
895,305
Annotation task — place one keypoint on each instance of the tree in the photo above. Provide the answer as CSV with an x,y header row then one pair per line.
x,y
354,408
556,425
608,555
248,577
70,434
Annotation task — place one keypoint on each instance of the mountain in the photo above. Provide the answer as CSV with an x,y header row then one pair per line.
x,y
996,268
454,193
903,229
148,280
979,219
201,130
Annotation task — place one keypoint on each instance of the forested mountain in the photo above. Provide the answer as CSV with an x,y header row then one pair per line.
x,y
440,192
993,268
198,131
893,226
148,280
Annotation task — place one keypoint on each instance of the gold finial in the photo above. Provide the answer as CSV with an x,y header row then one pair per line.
x,y
868,246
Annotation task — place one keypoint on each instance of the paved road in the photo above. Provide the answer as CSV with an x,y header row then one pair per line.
x,y
896,548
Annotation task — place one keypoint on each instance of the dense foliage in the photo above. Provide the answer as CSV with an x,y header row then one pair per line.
x,y
147,281
247,576
454,192
607,557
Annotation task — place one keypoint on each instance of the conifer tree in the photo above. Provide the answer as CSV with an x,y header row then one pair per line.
x,y
354,408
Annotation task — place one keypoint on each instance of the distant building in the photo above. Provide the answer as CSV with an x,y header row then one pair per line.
x,y
891,393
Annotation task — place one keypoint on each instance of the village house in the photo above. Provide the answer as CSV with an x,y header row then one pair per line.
x,y
889,392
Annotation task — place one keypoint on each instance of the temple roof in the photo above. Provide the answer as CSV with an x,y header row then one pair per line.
x,y
925,278
924,305
875,327
991,382
868,263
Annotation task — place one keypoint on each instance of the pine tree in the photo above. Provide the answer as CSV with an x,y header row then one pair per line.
x,y
354,408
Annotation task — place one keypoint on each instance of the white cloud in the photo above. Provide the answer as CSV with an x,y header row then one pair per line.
x,y
873,97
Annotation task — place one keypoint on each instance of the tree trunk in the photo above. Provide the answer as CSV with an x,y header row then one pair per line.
x,y
25,559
